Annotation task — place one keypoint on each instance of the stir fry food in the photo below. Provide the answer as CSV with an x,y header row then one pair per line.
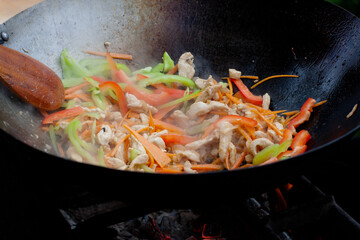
x,y
163,119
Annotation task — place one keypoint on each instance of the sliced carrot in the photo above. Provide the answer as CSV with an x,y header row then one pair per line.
x,y
82,96
151,123
114,55
170,127
159,156
67,113
271,77
207,167
239,161
270,124
118,144
173,70
167,170
162,112
75,88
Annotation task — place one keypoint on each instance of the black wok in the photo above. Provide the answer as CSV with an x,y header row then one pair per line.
x,y
312,39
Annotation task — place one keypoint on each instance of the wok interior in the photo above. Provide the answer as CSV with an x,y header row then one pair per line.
x,y
317,41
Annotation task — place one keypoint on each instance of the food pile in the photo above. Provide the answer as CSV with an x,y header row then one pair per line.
x,y
163,119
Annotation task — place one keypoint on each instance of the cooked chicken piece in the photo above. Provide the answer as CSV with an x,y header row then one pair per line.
x,y
204,83
180,118
200,108
134,144
139,106
116,163
139,159
73,154
275,137
187,168
105,135
188,155
156,139
266,101
258,144
233,73
144,119
226,130
260,134
96,110
214,136
249,158
186,67
209,93
279,125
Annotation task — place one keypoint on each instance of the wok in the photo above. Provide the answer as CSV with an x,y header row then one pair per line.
x,y
317,41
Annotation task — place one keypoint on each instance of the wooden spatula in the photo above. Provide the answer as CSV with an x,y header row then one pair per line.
x,y
30,79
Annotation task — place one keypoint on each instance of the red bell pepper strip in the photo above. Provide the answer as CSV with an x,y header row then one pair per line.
x,y
178,139
245,92
71,112
304,114
119,94
112,65
298,144
173,92
287,135
99,80
233,119
300,139
150,98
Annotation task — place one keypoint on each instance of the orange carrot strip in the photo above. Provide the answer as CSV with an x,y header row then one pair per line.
x,y
167,170
116,148
207,167
151,123
238,161
271,77
159,156
126,150
232,98
81,96
320,103
170,127
114,55
270,124
217,161
227,160
250,77
244,133
162,112
230,86
290,113
75,88
173,70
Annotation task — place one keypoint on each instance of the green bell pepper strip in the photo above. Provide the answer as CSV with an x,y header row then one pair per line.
x,y
53,139
159,68
99,100
74,138
168,62
146,168
271,151
71,68
180,100
104,69
71,81
134,153
168,79
101,156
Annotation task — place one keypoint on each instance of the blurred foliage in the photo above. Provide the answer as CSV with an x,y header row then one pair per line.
x,y
350,5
